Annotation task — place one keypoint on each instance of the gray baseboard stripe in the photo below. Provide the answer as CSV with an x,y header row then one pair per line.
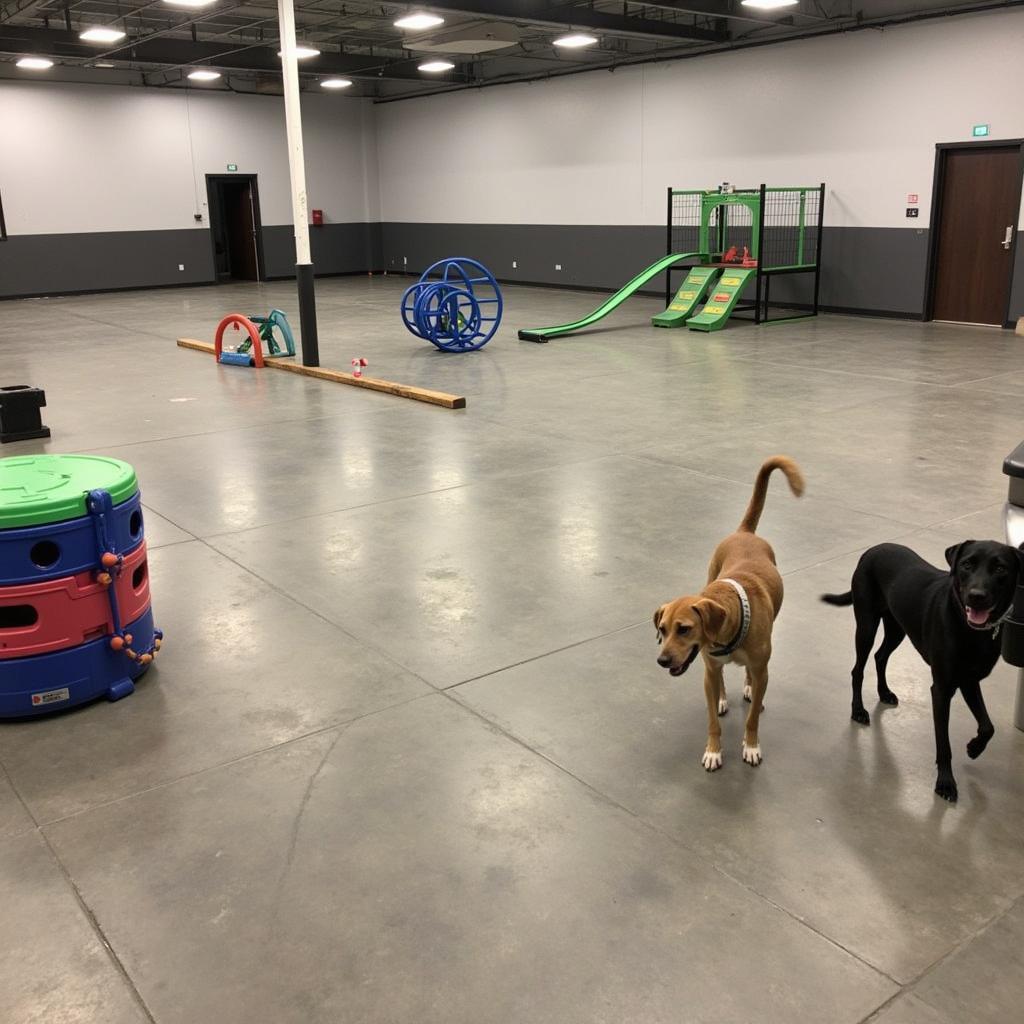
x,y
868,271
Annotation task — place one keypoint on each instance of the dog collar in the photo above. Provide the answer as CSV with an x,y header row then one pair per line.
x,y
737,640
999,622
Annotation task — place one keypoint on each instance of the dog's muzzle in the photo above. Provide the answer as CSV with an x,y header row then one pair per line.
x,y
977,610
678,670
977,618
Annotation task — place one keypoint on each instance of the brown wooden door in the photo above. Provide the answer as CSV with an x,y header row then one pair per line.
x,y
977,220
241,227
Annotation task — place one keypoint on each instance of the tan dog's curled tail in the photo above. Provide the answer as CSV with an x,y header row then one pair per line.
x,y
796,484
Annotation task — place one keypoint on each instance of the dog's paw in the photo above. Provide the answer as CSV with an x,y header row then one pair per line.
x,y
723,706
752,755
945,786
712,760
976,746
861,715
888,697
748,695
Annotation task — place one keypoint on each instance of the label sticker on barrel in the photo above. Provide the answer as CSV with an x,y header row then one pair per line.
x,y
51,696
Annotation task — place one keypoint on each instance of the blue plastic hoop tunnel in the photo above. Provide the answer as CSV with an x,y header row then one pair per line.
x,y
456,305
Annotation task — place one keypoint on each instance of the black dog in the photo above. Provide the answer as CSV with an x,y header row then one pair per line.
x,y
951,618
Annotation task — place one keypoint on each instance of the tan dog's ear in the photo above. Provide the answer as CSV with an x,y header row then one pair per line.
x,y
712,616
659,612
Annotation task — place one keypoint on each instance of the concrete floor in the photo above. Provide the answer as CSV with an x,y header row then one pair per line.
x,y
407,755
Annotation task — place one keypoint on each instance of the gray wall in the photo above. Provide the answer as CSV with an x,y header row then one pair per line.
x,y
102,260
1017,288
106,188
105,182
335,248
34,265
879,270
866,270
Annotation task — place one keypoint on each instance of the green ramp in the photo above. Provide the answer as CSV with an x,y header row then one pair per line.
x,y
691,293
724,296
543,334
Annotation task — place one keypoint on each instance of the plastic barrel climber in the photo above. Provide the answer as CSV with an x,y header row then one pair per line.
x,y
75,616
456,305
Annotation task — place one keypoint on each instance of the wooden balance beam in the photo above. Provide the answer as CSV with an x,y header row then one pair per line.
x,y
441,398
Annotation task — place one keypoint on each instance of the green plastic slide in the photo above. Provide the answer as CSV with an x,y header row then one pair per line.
x,y
542,334
721,300
690,295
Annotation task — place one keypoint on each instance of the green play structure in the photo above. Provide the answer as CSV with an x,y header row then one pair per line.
x,y
731,243
266,324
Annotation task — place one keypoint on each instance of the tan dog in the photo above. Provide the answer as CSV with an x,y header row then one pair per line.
x,y
731,619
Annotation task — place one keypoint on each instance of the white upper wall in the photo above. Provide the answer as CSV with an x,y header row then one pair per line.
x,y
861,111
94,158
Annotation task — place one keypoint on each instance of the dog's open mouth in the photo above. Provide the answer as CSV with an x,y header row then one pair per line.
x,y
977,618
678,670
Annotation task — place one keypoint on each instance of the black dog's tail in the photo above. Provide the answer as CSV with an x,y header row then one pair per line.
x,y
843,600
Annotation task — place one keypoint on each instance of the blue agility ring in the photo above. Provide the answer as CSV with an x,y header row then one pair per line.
x,y
456,305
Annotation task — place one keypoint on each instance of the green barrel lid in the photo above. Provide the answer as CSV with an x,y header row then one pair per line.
x,y
40,489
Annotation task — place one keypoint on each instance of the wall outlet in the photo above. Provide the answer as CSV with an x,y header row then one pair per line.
x,y
515,265
558,266
181,266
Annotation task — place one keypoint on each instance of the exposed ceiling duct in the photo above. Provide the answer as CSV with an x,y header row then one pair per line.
x,y
482,37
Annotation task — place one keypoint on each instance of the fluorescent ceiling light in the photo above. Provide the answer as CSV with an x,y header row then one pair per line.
x,y
203,75
101,34
575,40
103,64
35,63
302,50
419,20
189,3
768,5
335,83
437,65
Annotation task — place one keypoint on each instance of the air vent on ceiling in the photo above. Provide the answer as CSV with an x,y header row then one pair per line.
x,y
472,39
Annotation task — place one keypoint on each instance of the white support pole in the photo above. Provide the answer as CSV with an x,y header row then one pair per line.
x,y
297,167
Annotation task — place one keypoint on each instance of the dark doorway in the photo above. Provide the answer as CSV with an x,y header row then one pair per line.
x,y
975,208
235,227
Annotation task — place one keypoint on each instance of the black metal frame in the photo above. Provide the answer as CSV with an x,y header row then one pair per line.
x,y
212,179
762,281
3,222
938,183
762,278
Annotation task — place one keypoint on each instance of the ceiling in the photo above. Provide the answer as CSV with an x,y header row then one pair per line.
x,y
489,41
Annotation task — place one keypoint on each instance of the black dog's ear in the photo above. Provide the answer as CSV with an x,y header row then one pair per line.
x,y
953,554
657,622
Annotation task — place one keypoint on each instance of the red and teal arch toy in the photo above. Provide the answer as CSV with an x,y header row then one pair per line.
x,y
76,620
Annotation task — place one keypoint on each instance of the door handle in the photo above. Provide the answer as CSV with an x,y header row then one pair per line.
x,y
1009,236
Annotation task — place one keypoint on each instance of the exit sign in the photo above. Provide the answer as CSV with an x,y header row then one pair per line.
x,y
234,167
979,130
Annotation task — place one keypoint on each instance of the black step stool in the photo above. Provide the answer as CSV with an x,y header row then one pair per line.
x,y
20,419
